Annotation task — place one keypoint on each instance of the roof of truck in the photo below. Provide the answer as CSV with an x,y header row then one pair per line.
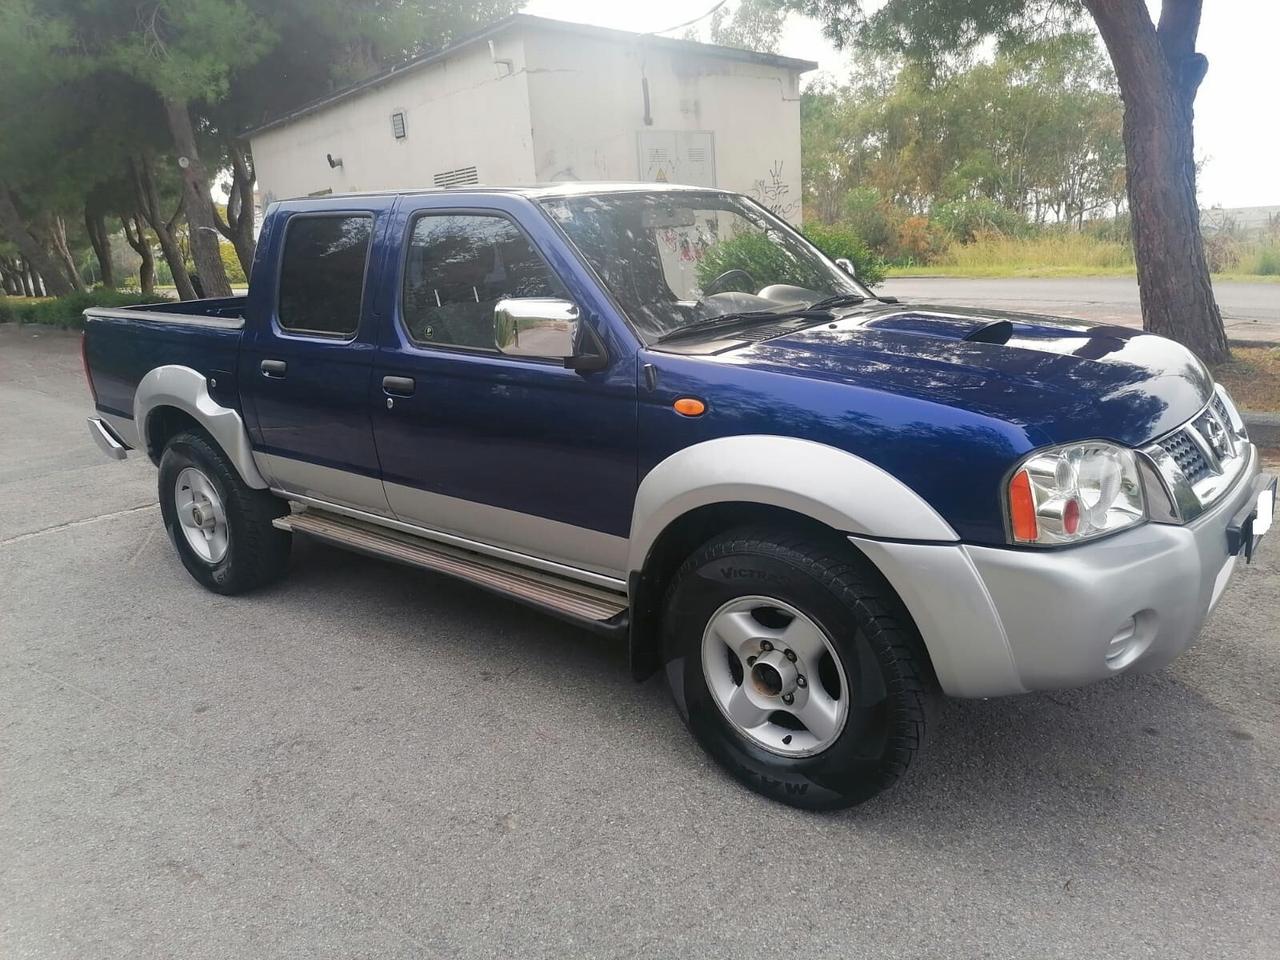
x,y
537,191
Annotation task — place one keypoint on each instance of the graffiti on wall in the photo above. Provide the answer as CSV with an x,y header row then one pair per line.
x,y
774,193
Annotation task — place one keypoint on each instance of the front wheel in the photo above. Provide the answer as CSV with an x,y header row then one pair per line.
x,y
796,668
221,527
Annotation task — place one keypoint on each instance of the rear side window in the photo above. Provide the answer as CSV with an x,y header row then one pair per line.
x,y
322,273
458,267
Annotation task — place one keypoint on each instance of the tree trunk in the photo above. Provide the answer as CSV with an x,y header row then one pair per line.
x,y
58,240
9,274
135,232
198,203
1159,73
239,226
37,258
95,223
149,203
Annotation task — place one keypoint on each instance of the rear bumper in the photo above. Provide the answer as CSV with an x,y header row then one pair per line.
x,y
999,621
106,439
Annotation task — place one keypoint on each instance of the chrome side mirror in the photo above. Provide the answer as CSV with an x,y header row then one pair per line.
x,y
845,264
536,327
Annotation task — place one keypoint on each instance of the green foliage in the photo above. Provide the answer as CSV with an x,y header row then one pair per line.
x,y
758,256
839,241
969,218
231,263
66,312
1035,130
751,25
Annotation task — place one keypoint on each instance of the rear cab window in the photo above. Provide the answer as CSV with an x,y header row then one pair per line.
x,y
322,273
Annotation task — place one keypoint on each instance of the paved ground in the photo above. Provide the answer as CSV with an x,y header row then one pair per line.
x,y
366,761
1250,311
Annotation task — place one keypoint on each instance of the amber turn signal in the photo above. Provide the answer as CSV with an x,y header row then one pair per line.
x,y
689,407
1022,508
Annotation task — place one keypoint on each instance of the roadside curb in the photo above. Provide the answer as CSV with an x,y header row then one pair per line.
x,y
1264,428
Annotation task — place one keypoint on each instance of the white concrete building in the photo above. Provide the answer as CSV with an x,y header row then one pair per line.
x,y
531,100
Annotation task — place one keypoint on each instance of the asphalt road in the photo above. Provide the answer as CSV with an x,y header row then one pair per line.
x,y
1250,311
368,761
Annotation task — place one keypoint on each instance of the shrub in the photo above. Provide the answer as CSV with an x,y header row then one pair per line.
x,y
1262,261
965,220
231,264
757,256
920,241
1222,252
868,216
68,312
837,240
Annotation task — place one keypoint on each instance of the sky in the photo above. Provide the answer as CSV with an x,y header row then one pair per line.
x,y
1237,131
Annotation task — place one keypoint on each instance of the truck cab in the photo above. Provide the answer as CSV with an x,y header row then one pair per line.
x,y
660,413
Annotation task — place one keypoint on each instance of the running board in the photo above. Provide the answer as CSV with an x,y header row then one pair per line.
x,y
566,598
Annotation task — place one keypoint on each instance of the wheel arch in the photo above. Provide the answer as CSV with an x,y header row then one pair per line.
x,y
172,398
712,487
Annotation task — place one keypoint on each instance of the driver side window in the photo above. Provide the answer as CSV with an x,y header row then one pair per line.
x,y
459,266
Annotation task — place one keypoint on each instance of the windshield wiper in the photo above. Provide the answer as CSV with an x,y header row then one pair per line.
x,y
726,321
839,300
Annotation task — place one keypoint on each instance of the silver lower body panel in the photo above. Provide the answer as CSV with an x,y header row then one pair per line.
x,y
999,621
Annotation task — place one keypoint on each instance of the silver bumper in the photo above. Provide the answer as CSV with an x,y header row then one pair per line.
x,y
999,621
106,439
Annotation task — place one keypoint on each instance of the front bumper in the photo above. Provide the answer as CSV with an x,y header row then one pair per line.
x,y
998,621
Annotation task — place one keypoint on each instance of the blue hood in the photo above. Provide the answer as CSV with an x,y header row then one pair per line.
x,y
1059,380
904,388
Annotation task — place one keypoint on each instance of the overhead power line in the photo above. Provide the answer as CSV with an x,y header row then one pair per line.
x,y
689,23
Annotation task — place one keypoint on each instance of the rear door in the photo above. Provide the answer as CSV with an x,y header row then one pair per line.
x,y
517,453
308,353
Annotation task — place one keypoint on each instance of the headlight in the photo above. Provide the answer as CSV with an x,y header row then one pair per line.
x,y
1074,492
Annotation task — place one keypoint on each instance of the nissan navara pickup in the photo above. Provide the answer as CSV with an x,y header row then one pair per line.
x,y
661,413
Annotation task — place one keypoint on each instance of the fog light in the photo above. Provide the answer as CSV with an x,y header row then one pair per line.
x,y
1124,646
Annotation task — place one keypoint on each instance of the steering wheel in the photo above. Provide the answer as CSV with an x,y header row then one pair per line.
x,y
718,284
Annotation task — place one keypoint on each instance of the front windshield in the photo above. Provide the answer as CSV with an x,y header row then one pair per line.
x,y
674,259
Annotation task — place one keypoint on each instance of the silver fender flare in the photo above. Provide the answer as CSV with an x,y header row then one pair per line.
x,y
188,391
839,489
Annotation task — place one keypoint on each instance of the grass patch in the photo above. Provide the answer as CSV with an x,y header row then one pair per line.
x,y
1073,254
1253,377
1045,255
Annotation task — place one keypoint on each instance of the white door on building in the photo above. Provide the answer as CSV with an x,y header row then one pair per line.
x,y
678,156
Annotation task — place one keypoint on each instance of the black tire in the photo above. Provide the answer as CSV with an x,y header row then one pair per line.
x,y
892,688
256,552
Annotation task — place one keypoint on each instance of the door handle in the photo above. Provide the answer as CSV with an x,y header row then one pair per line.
x,y
273,368
398,386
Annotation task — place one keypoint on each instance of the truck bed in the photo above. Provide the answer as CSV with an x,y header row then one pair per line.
x,y
121,344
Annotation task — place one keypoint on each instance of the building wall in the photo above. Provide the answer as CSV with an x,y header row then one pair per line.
x,y
464,111
587,102
569,107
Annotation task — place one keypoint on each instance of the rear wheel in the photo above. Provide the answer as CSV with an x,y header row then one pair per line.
x,y
796,668
220,526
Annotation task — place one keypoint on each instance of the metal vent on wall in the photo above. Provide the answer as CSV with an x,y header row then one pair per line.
x,y
456,178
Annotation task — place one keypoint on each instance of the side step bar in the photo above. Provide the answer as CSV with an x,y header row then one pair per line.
x,y
592,606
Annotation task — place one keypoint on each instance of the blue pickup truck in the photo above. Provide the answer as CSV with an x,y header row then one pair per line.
x,y
660,413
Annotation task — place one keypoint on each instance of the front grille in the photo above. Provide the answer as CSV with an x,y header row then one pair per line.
x,y
1200,461
1187,455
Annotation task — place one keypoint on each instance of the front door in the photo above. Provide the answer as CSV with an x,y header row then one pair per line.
x,y
516,453
306,361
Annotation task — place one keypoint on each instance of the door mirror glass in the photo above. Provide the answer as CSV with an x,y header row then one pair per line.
x,y
544,327
845,264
